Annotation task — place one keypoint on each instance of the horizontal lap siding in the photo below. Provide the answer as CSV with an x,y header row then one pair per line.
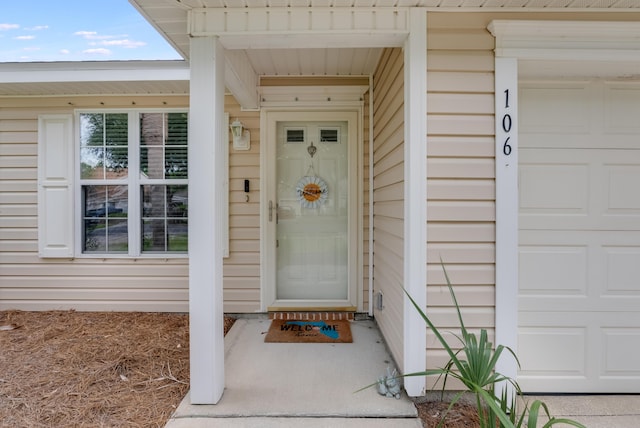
x,y
388,160
242,267
461,176
31,283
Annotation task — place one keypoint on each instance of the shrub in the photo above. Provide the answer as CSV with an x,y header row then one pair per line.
x,y
474,364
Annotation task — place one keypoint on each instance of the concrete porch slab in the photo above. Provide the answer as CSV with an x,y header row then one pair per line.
x,y
277,382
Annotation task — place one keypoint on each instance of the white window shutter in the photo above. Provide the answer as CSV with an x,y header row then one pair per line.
x,y
55,186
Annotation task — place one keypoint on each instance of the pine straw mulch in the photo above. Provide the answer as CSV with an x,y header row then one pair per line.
x,y
92,369
461,415
109,369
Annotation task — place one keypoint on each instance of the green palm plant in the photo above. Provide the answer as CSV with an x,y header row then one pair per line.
x,y
474,364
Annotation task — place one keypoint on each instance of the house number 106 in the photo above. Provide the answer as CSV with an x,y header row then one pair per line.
x,y
506,125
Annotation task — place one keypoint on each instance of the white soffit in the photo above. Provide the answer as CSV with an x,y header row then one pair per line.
x,y
281,28
557,49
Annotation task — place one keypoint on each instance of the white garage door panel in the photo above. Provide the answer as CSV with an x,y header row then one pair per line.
x,y
556,360
621,108
621,184
564,274
579,238
579,189
618,344
560,189
555,109
582,270
591,352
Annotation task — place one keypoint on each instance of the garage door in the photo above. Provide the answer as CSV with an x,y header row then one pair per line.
x,y
579,239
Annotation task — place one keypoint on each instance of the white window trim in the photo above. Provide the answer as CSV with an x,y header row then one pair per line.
x,y
134,214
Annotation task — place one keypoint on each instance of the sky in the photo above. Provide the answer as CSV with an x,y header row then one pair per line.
x,y
77,30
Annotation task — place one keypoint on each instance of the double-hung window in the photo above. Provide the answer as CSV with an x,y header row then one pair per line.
x,y
133,188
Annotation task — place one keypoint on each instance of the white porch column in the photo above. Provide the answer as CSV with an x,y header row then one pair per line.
x,y
206,136
415,198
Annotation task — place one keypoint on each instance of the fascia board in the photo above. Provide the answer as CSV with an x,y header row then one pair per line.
x,y
563,40
92,72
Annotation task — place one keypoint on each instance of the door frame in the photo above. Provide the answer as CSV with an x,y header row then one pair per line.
x,y
268,119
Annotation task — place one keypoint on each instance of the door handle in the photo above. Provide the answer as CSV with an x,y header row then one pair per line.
x,y
270,210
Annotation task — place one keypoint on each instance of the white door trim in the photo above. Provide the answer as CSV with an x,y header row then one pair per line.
x,y
540,49
269,116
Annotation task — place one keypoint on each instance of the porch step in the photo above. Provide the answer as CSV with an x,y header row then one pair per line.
x,y
312,316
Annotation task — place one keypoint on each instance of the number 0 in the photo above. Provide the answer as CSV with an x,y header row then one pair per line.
x,y
506,123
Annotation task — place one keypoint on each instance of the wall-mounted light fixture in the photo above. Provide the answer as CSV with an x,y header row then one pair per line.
x,y
241,136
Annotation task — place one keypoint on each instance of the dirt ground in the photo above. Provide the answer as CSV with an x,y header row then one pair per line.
x,y
115,369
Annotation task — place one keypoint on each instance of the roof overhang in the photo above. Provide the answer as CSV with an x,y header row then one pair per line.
x,y
172,18
89,78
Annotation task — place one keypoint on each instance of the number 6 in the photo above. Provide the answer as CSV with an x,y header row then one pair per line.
x,y
506,149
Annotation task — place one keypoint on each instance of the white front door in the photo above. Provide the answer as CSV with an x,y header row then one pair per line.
x,y
311,235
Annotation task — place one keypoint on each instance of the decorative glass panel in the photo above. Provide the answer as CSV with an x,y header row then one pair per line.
x,y
116,129
329,135
163,145
116,162
117,236
164,218
104,152
151,129
177,129
176,162
178,201
178,236
152,162
105,210
153,235
91,129
294,135
92,163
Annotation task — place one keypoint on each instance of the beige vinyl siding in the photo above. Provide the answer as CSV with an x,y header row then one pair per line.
x,y
31,283
388,159
461,176
242,267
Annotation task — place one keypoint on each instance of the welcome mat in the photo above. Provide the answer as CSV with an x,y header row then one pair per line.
x,y
298,331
